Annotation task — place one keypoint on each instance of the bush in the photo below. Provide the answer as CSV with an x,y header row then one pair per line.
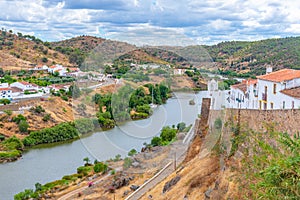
x,y
65,98
4,101
46,117
100,167
132,152
181,126
38,109
218,123
127,162
117,158
168,134
84,170
23,126
8,112
61,132
156,141
84,125
19,118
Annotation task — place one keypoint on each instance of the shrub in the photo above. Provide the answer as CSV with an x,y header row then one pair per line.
x,y
117,158
218,123
65,98
168,134
181,126
19,118
23,126
132,152
8,112
46,117
100,167
156,141
127,162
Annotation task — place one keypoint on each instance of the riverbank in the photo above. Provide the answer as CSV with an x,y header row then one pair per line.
x,y
47,162
138,100
136,168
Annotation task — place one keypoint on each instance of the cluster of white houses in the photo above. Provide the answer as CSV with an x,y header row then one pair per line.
x,y
274,90
23,89
61,70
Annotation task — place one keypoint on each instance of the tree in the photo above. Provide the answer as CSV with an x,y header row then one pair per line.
x,y
168,134
181,126
44,59
23,126
156,141
5,101
74,91
86,160
132,152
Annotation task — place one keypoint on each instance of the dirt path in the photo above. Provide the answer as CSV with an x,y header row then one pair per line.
x,y
81,189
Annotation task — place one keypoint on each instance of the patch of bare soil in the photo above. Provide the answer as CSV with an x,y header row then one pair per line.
x,y
59,110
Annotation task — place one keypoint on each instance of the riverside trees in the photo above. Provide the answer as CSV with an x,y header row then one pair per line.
x,y
128,103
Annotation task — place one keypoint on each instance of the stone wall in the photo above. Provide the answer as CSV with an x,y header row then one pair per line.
x,y
259,120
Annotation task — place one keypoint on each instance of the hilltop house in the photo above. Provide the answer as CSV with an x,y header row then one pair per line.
x,y
40,68
274,90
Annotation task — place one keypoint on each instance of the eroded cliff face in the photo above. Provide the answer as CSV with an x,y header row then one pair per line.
x,y
219,159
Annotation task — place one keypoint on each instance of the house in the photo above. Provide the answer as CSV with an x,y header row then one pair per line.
x,y
179,71
274,90
5,93
56,87
54,68
244,95
23,85
40,68
278,90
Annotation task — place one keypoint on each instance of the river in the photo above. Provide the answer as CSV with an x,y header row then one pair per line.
x,y
51,162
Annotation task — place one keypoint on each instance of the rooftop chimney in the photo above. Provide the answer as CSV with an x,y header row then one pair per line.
x,y
269,69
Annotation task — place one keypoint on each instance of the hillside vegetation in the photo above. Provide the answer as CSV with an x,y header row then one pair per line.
x,y
244,57
18,51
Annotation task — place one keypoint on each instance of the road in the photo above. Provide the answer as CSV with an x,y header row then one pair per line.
x,y
179,152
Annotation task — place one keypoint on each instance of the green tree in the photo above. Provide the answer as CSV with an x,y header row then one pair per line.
x,y
156,141
86,160
168,134
23,126
132,152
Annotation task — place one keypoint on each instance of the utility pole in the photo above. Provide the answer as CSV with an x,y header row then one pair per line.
x,y
175,160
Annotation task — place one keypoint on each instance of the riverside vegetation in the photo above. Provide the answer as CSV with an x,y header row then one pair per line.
x,y
126,104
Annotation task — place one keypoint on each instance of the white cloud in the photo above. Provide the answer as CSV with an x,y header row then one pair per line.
x,y
154,21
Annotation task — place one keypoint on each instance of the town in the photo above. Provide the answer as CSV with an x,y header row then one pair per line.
x,y
274,90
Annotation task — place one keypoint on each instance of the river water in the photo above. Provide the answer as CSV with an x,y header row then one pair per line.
x,y
51,162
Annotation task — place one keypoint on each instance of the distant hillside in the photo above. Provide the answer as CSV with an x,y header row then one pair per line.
x,y
91,50
19,51
246,57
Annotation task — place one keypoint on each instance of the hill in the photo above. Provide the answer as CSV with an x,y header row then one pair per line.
x,y
19,51
91,50
247,57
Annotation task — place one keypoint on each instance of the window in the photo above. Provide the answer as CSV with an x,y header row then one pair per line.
x,y
283,104
293,104
272,105
274,88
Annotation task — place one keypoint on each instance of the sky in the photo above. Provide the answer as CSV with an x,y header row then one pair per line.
x,y
153,22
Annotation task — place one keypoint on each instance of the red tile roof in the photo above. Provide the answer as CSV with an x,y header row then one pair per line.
x,y
242,86
4,89
281,75
293,92
15,89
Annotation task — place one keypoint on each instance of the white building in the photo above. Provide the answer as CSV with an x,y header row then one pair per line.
x,y
40,68
244,95
274,90
5,93
278,90
23,85
179,71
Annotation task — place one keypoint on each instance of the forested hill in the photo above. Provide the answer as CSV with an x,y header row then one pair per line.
x,y
243,57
